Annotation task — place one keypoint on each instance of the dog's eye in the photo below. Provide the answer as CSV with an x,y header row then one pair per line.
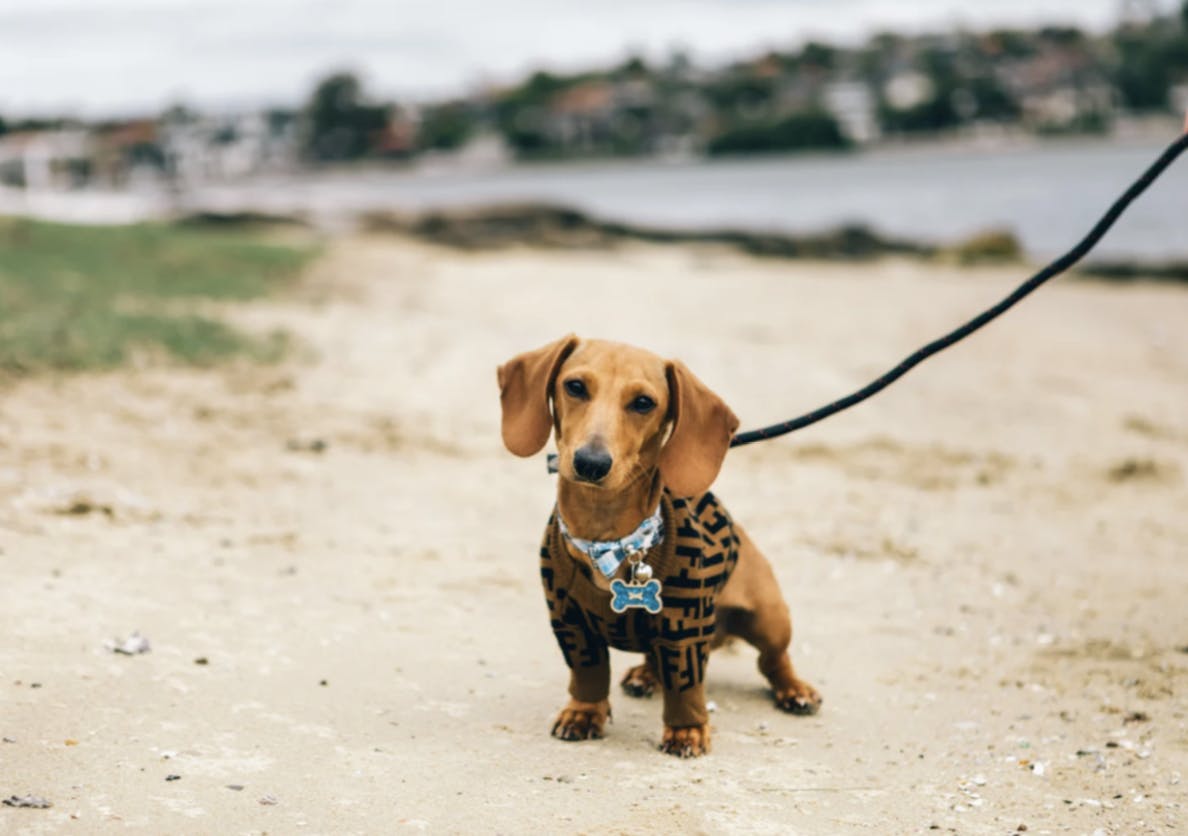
x,y
643,405
576,388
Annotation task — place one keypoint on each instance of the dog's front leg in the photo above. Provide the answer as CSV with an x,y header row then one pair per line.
x,y
585,715
686,720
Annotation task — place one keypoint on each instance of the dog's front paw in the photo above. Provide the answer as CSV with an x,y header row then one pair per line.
x,y
801,698
640,681
581,720
686,741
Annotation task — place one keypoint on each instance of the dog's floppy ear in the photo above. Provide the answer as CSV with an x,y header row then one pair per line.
x,y
701,431
525,382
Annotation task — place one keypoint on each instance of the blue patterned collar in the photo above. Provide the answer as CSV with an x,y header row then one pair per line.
x,y
608,555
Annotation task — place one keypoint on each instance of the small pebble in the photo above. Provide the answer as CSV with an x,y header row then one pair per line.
x,y
268,800
34,801
324,682
236,787
711,706
172,777
201,660
131,646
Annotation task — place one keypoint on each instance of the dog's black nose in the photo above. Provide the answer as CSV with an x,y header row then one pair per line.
x,y
591,463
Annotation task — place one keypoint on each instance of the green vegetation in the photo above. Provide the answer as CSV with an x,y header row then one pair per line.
x,y
445,127
799,132
988,247
75,298
341,125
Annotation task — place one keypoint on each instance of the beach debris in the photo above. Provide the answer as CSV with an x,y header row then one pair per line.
x,y
34,801
73,500
268,800
81,505
172,777
201,660
7,740
131,646
312,445
711,706
1039,768
1131,469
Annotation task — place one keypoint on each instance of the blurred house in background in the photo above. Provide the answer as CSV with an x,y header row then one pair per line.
x,y
46,159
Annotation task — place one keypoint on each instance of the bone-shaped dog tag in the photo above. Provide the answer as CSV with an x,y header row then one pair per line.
x,y
633,596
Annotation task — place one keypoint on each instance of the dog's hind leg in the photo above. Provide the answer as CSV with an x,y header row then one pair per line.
x,y
641,681
751,607
770,632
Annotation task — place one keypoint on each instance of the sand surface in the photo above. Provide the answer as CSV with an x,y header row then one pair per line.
x,y
987,565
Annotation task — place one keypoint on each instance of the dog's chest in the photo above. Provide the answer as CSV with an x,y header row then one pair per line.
x,y
699,550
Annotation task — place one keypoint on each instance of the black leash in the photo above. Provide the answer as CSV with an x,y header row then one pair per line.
x,y
1054,269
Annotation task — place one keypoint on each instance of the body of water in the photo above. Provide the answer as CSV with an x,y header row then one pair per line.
x,y
1049,194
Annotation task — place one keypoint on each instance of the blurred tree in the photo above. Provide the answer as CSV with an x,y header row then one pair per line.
x,y
808,130
936,114
1142,76
679,62
445,127
1010,43
280,119
990,99
340,124
539,88
633,66
738,91
3,126
947,105
1062,35
817,55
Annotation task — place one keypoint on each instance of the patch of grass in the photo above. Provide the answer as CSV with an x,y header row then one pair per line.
x,y
75,297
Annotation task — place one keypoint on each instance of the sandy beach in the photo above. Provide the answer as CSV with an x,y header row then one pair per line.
x,y
335,562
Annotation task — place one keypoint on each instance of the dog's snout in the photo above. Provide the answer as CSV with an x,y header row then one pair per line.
x,y
592,462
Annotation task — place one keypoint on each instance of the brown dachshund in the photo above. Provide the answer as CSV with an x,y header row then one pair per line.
x,y
638,555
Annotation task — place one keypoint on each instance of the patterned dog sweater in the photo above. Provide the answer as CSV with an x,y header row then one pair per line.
x,y
693,562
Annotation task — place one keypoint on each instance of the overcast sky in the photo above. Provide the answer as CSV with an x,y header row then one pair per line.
x,y
105,57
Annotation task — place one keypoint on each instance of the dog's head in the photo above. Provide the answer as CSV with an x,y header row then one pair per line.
x,y
619,413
